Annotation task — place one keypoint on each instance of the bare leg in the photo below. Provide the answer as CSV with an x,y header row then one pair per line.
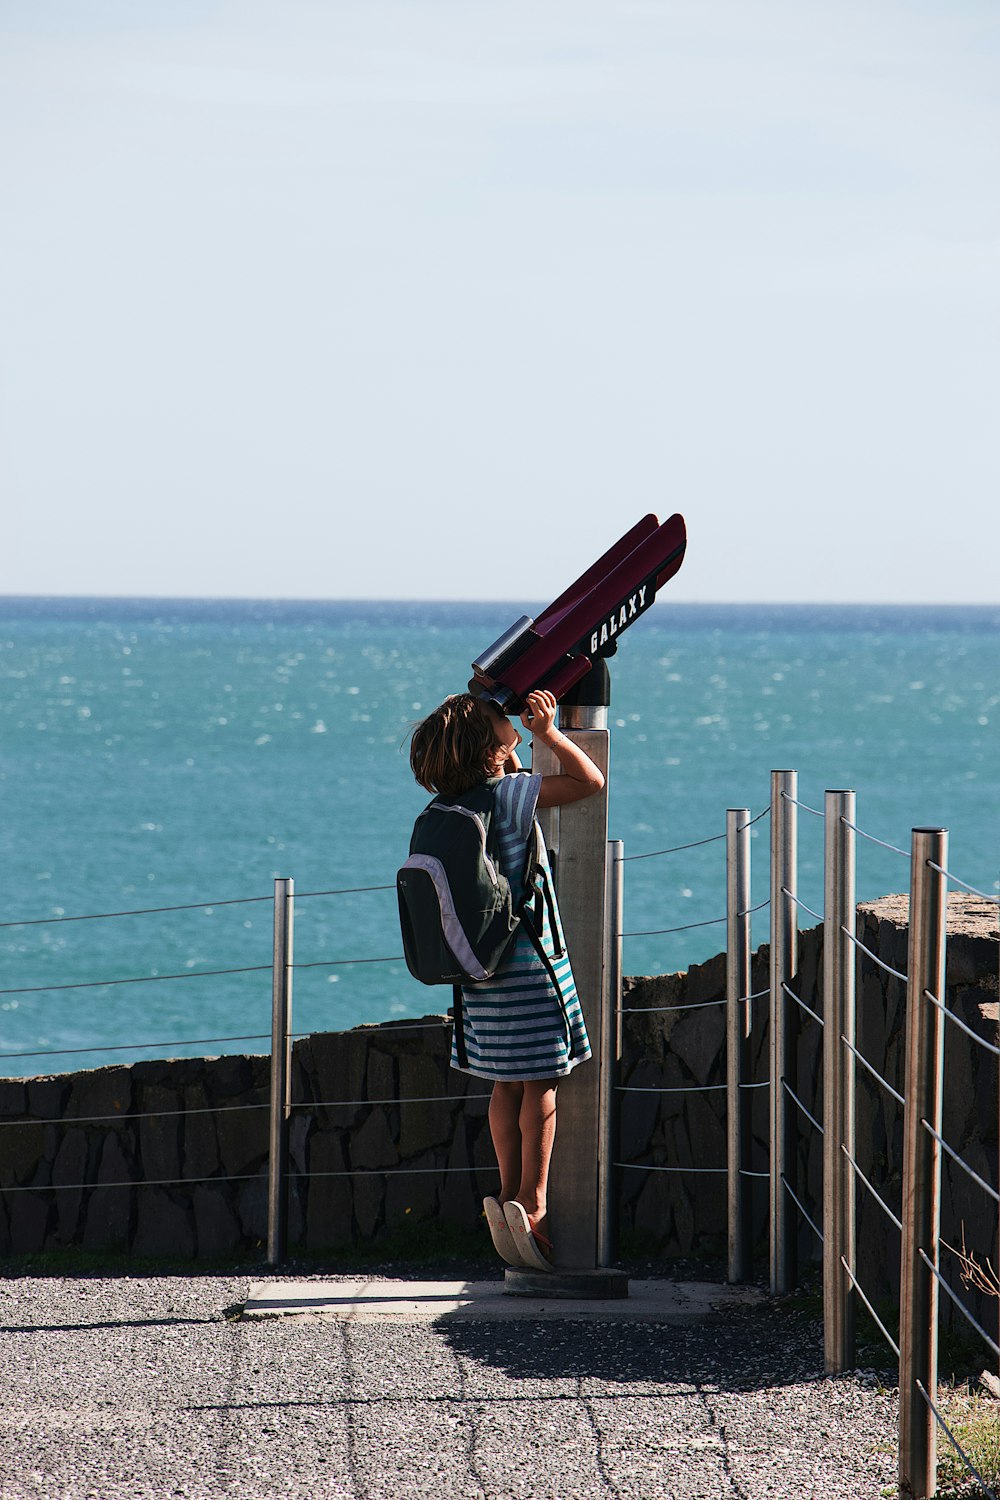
x,y
537,1123
505,1109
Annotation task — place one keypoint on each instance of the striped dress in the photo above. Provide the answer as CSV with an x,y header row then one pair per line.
x,y
516,1026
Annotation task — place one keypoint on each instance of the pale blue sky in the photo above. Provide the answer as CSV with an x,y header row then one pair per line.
x,y
354,298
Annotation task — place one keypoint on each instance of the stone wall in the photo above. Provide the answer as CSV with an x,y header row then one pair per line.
x,y
383,1132
685,1213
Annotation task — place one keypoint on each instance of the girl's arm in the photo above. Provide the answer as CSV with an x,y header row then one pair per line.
x,y
580,776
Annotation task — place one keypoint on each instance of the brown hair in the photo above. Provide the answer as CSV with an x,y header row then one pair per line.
x,y
451,750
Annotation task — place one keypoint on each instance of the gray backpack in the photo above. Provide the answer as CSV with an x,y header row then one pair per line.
x,y
457,913
456,908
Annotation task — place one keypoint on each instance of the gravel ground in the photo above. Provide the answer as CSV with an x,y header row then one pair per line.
x,y
134,1388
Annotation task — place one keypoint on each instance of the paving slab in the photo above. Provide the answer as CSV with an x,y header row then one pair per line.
x,y
385,1300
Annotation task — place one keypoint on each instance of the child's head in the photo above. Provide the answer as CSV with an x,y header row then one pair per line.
x,y
458,745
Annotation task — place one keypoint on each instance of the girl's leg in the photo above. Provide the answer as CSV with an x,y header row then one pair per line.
x,y
537,1123
505,1109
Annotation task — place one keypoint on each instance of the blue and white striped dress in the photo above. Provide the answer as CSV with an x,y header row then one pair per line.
x,y
515,1026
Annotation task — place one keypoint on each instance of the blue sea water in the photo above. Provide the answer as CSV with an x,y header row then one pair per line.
x,y
163,753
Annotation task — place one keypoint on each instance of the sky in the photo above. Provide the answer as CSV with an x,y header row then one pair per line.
x,y
434,299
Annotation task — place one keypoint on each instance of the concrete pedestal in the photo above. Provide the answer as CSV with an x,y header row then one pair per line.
x,y
597,1285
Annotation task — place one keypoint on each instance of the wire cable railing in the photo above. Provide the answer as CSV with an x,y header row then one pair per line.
x,y
841,1039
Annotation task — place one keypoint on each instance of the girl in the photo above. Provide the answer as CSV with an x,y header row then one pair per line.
x,y
519,1029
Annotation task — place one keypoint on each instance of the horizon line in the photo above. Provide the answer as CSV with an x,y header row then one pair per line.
x,y
509,599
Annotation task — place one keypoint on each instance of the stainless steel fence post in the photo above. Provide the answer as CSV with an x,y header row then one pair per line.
x,y
839,1010
610,1058
738,1021
784,961
918,1292
581,834
281,1073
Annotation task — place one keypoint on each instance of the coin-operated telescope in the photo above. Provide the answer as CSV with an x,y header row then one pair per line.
x,y
559,648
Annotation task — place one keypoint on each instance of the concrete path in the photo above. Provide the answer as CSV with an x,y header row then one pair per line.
x,y
138,1389
384,1300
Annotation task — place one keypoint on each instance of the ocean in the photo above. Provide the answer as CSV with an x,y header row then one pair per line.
x,y
158,753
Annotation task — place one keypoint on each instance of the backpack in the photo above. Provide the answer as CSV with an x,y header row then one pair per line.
x,y
456,908
457,913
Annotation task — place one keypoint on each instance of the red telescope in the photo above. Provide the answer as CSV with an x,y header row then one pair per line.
x,y
558,648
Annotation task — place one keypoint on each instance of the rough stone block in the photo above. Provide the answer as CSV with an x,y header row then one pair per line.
x,y
380,1081
47,1097
300,1128
640,1112
242,1137
226,1078
164,1227
13,1099
160,1127
373,1144
462,1190
109,1207
412,1196
217,1230
427,1123
328,1198
368,1198
698,1039
252,1210
22,1152
31,1215
706,1132
200,1143
653,1214
101,1092
68,1169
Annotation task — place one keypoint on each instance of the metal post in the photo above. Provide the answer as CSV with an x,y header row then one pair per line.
x,y
610,1058
839,1011
918,1292
784,961
738,1023
580,833
281,1073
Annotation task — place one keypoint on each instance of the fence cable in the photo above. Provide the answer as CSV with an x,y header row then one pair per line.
x,y
687,1088
350,890
346,1103
872,839
656,1010
959,1161
957,1445
950,1014
70,1187
642,1166
874,956
936,1273
802,905
148,1114
807,1008
802,1210
663,931
874,1192
100,984
195,1041
698,843
337,963
861,1293
142,911
787,797
995,900
811,1118
859,1057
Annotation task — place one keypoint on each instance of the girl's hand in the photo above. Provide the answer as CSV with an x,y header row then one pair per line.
x,y
540,714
